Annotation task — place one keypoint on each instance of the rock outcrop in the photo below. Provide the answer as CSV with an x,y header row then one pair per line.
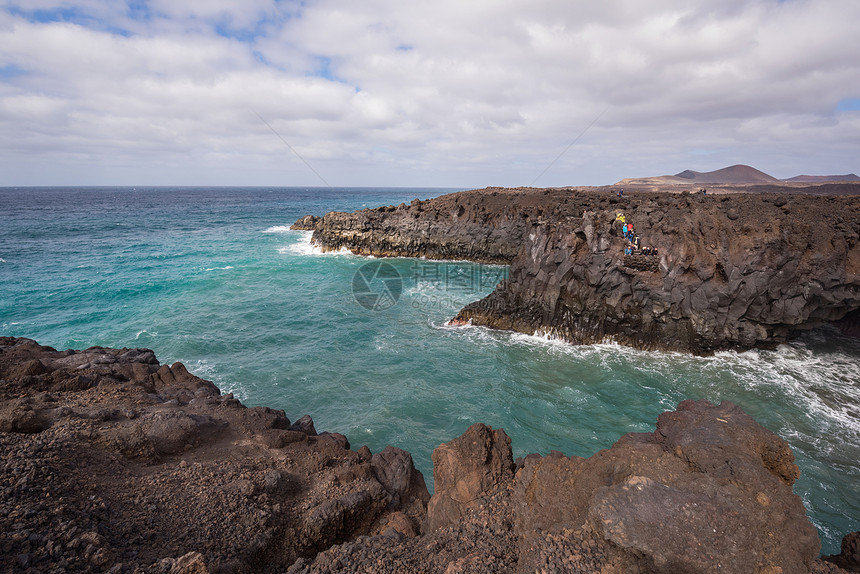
x,y
849,555
732,271
112,462
708,491
488,226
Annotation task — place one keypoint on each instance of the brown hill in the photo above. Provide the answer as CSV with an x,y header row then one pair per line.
x,y
734,174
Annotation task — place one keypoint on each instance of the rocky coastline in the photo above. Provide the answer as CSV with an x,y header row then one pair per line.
x,y
746,267
112,462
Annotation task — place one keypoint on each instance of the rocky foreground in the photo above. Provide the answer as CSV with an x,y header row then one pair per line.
x,y
111,462
747,267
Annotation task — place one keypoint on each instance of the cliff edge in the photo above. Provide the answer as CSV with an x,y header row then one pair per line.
x,y
114,463
728,271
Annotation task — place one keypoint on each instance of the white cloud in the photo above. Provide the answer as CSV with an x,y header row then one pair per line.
x,y
383,92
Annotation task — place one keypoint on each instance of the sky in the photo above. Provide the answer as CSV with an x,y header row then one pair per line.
x,y
449,93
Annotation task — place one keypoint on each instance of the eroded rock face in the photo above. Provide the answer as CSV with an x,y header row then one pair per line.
x,y
849,556
732,271
737,274
708,491
464,470
394,469
486,226
110,461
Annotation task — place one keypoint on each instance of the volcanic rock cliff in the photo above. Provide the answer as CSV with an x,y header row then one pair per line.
x,y
732,271
111,462
487,227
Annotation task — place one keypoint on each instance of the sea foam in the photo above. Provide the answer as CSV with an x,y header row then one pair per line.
x,y
304,246
279,229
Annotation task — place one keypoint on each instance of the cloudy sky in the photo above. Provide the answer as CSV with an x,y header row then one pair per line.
x,y
463,93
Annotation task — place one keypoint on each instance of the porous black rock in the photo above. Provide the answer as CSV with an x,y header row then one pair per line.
x,y
733,270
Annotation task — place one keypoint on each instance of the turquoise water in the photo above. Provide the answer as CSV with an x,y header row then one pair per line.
x,y
213,278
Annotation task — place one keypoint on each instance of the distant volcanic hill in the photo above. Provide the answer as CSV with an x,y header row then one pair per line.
x,y
822,178
735,174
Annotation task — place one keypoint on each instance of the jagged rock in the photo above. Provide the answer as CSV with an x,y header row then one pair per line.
x,y
734,271
307,223
718,283
464,469
260,419
191,563
708,491
394,469
442,228
660,502
849,557
112,462
304,425
337,519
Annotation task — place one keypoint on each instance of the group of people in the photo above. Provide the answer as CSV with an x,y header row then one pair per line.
x,y
629,234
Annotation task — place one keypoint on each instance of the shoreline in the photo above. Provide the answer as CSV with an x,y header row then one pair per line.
x,y
733,270
120,447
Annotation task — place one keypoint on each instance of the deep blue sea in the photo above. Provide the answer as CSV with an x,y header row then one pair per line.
x,y
214,278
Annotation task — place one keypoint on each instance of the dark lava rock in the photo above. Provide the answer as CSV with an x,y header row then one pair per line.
x,y
747,276
307,223
734,271
110,462
708,491
304,425
483,226
394,469
849,557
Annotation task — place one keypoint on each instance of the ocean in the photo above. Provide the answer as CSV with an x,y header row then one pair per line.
x,y
214,278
